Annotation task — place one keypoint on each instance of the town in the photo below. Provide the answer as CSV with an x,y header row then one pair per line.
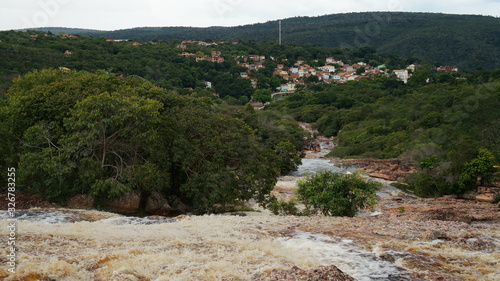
x,y
301,73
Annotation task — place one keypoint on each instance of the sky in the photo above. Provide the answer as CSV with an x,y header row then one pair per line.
x,y
122,14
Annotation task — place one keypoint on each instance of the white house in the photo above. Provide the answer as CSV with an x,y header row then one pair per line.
x,y
328,68
402,75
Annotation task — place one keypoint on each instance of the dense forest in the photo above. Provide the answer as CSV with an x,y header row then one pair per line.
x,y
74,133
439,126
464,40
83,115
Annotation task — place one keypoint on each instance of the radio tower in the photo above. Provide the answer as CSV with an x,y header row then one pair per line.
x,y
280,32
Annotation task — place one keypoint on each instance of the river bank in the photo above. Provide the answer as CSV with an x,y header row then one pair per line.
x,y
402,237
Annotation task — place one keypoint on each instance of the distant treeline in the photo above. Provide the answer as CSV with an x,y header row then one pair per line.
x,y
464,40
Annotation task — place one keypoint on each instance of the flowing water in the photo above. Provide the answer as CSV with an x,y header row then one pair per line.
x,y
72,245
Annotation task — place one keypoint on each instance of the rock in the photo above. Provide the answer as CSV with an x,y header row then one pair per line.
x,y
157,204
382,176
81,201
326,273
433,235
177,205
317,148
126,204
487,197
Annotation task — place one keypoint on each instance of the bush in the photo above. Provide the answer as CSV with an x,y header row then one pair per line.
x,y
283,208
335,194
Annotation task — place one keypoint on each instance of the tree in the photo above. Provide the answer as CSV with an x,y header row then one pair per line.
x,y
288,156
360,70
112,133
215,161
262,95
478,171
335,194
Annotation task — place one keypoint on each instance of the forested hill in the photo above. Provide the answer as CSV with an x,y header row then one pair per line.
x,y
463,40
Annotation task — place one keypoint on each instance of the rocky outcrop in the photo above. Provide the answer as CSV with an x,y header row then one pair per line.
x,y
126,204
157,204
487,197
383,176
81,201
390,169
326,273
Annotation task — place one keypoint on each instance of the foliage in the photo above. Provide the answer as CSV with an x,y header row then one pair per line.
x,y
84,133
283,208
215,160
262,95
288,157
475,38
480,168
335,194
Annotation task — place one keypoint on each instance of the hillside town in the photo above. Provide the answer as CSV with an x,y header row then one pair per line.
x,y
300,73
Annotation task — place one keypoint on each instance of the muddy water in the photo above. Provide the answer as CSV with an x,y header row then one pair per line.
x,y
72,245
194,248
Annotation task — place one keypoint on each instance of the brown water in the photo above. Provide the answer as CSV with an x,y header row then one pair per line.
x,y
194,248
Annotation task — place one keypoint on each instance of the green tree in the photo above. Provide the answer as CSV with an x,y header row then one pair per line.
x,y
262,95
288,156
478,171
335,194
216,161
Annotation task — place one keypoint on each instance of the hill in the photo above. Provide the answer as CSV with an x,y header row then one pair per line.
x,y
465,40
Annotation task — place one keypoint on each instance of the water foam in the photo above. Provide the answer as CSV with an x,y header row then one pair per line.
x,y
360,264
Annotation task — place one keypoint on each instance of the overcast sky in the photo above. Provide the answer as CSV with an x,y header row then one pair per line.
x,y
120,14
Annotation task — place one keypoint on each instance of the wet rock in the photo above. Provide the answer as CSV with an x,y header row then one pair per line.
x,y
449,197
125,204
487,197
447,214
81,201
157,204
433,235
327,273
383,176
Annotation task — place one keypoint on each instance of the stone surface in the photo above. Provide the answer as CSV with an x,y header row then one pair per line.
x,y
326,273
383,176
125,204
390,169
81,201
157,204
487,197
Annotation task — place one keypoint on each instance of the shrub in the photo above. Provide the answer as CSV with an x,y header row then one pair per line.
x,y
283,208
480,168
335,194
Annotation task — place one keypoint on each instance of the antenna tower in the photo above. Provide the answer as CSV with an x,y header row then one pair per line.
x,y
280,32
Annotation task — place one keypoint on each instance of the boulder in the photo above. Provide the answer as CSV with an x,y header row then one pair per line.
x,y
81,201
316,147
487,197
157,204
383,176
326,273
177,205
126,204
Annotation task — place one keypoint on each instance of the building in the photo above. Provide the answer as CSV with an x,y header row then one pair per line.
x,y
327,68
447,68
402,75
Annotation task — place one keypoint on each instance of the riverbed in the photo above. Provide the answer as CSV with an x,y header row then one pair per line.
x,y
403,237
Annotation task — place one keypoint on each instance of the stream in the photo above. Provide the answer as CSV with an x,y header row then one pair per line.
x,y
89,245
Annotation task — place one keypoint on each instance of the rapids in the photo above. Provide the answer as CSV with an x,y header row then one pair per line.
x,y
378,244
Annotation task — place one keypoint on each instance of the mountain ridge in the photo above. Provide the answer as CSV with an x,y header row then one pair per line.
x,y
465,40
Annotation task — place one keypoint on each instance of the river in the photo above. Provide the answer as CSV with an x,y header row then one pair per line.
x,y
62,244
